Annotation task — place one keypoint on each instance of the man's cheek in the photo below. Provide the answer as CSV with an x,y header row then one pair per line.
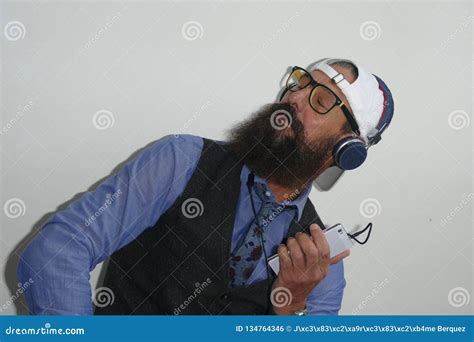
x,y
308,122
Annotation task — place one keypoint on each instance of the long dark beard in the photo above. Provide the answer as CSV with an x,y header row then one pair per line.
x,y
273,144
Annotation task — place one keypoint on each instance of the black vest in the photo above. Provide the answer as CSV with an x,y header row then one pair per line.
x,y
180,265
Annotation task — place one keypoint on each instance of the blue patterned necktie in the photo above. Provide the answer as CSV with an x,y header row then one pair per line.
x,y
248,251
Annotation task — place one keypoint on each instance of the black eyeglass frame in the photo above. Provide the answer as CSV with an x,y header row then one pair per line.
x,y
315,84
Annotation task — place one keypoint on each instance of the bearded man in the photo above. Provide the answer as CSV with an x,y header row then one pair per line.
x,y
188,225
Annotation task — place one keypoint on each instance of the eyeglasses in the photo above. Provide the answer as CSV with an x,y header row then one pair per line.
x,y
321,99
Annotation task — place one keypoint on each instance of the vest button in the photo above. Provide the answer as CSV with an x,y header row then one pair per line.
x,y
225,296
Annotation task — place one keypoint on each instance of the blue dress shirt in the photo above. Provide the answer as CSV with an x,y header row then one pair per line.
x,y
73,241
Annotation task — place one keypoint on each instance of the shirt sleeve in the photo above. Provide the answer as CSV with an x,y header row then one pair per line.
x,y
58,261
326,297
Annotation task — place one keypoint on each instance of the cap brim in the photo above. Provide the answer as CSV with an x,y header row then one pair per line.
x,y
328,178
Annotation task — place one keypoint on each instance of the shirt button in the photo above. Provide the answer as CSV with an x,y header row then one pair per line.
x,y
268,193
225,296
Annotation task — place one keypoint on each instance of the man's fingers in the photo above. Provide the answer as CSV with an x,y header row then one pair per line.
x,y
320,241
296,254
309,249
285,260
340,256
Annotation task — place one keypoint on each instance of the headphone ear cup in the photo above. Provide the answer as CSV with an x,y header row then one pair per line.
x,y
349,153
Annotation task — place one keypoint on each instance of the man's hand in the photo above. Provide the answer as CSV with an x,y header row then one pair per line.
x,y
304,262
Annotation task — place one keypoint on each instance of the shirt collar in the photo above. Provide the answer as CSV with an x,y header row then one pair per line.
x,y
299,202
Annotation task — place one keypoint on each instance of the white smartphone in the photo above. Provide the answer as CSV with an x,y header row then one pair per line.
x,y
338,241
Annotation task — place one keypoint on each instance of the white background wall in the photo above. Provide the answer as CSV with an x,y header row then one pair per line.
x,y
133,59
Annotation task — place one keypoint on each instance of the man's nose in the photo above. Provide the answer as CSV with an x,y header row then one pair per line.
x,y
297,99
